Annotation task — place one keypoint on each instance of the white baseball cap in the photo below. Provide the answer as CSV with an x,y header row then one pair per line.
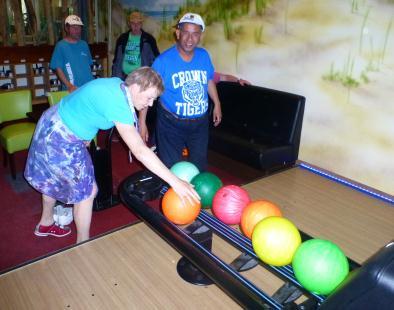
x,y
73,20
192,18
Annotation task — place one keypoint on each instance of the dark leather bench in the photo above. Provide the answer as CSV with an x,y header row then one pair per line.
x,y
261,127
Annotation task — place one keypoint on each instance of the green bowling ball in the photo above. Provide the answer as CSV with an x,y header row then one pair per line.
x,y
320,266
206,185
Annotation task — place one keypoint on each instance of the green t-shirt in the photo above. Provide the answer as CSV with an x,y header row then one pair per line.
x,y
132,56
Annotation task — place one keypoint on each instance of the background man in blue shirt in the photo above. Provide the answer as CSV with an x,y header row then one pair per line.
x,y
71,58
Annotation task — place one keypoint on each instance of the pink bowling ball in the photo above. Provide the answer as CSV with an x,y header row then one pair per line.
x,y
228,204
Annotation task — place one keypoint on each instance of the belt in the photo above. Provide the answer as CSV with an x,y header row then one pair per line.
x,y
182,119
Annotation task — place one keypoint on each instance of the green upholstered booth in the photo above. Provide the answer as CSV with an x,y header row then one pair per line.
x,y
15,132
55,96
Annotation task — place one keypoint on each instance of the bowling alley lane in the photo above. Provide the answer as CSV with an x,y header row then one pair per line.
x,y
132,268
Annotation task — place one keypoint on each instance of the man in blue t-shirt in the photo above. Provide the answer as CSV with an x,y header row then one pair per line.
x,y
182,112
71,58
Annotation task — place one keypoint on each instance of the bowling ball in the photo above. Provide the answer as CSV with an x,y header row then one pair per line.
x,y
229,202
185,170
320,266
177,212
275,240
206,185
255,212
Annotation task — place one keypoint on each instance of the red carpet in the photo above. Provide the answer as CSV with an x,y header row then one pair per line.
x,y
20,211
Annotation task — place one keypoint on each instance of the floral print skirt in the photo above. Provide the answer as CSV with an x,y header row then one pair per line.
x,y
59,164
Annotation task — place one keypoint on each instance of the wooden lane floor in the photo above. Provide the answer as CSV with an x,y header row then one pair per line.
x,y
359,223
132,268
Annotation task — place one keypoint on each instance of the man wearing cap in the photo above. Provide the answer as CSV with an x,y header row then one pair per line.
x,y
134,48
182,112
71,58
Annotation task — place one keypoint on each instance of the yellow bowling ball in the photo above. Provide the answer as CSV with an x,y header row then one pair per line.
x,y
275,240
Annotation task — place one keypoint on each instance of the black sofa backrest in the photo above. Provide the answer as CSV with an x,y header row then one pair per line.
x,y
266,113
260,116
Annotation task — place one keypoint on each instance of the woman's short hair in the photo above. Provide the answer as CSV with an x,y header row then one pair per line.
x,y
145,77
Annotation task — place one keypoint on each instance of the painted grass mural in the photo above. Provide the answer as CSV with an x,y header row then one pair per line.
x,y
339,54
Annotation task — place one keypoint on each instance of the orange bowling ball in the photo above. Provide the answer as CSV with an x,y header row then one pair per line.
x,y
177,212
256,211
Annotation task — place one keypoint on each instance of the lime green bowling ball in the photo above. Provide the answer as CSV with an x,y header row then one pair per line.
x,y
320,266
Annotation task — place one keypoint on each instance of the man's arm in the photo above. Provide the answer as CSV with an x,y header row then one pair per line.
x,y
217,110
232,78
155,49
153,44
62,77
142,124
116,69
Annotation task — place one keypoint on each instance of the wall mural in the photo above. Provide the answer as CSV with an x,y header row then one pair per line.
x,y
339,54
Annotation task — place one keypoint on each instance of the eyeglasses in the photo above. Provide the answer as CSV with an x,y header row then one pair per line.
x,y
194,35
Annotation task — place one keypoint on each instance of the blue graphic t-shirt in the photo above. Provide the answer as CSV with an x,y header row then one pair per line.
x,y
74,59
185,83
96,105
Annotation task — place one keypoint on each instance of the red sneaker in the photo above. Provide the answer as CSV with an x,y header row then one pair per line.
x,y
52,230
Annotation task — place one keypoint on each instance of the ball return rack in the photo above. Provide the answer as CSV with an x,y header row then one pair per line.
x,y
368,286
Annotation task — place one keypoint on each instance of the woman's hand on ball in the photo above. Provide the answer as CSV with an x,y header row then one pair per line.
x,y
185,191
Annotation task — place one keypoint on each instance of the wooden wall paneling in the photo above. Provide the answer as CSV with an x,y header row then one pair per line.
x,y
32,20
3,24
18,22
49,19
38,76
